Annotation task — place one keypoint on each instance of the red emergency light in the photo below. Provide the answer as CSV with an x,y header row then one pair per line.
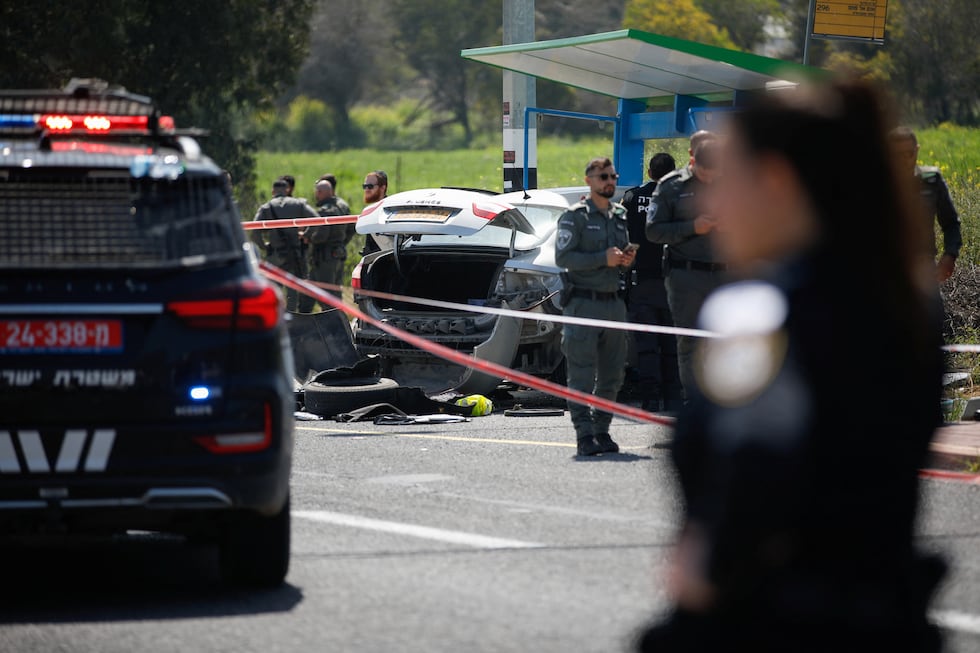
x,y
99,124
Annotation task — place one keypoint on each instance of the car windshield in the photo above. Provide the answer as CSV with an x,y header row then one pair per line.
x,y
105,218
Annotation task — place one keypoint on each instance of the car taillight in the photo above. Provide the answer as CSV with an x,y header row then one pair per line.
x,y
259,308
355,276
487,210
240,442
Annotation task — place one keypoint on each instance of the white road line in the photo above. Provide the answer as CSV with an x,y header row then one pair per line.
x,y
413,530
955,620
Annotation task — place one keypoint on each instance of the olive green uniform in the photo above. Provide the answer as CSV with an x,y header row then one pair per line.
x,y
328,245
595,357
692,269
282,246
939,207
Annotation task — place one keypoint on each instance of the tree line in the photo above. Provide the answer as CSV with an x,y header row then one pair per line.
x,y
353,73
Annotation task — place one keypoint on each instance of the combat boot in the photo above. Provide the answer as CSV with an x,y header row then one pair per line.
x,y
587,446
606,443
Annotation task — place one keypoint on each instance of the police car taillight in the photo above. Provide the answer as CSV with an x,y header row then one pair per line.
x,y
251,306
240,442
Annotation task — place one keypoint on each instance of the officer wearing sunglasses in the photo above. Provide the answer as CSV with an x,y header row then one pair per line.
x,y
375,189
593,246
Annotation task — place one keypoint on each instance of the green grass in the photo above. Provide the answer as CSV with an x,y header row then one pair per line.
x,y
956,150
560,163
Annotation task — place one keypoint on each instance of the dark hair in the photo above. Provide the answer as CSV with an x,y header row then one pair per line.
x,y
290,180
329,177
598,163
381,175
876,217
661,164
280,183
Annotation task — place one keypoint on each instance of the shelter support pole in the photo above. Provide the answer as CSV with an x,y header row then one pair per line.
x,y
628,150
519,93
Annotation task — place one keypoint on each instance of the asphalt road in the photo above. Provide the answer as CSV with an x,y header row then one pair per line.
x,y
480,536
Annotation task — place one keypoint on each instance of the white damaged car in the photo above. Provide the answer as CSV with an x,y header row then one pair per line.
x,y
473,249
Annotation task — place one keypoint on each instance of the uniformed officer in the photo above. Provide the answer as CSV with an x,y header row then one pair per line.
x,y
341,202
282,246
679,216
935,193
328,243
375,189
800,517
592,245
655,376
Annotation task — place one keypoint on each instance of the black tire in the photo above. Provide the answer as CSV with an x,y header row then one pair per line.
x,y
254,549
344,395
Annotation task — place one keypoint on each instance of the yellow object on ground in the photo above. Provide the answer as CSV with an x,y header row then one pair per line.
x,y
480,405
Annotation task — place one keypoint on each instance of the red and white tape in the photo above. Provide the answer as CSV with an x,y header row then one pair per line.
x,y
299,222
525,314
555,389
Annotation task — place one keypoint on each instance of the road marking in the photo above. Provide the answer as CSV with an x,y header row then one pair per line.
x,y
456,438
413,530
409,479
451,438
956,620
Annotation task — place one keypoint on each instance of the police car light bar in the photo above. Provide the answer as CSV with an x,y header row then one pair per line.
x,y
83,123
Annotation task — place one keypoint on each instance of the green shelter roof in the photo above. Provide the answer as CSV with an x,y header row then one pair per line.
x,y
637,65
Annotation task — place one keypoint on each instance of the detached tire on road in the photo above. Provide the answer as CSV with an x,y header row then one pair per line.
x,y
254,549
335,396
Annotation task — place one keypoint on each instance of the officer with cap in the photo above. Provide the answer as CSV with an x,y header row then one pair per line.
x,y
679,217
328,243
593,246
655,375
283,248
935,194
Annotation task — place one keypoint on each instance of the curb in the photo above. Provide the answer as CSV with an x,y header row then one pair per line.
x,y
955,448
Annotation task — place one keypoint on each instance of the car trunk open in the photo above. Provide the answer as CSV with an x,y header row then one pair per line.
x,y
462,277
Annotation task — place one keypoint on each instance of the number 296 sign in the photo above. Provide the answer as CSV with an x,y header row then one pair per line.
x,y
860,20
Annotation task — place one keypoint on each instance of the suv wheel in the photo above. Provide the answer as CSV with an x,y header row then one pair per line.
x,y
254,549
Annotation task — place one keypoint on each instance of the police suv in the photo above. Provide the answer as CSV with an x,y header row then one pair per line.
x,y
145,368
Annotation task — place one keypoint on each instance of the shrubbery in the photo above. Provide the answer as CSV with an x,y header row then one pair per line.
x,y
308,125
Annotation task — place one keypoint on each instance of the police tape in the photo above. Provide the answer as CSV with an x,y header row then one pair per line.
x,y
555,389
524,314
962,349
299,222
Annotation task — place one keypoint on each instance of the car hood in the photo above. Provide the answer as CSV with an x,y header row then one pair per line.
x,y
440,211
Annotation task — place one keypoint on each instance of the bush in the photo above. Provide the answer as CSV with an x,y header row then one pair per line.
x,y
310,125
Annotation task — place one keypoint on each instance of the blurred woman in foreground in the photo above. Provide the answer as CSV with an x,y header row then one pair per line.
x,y
798,456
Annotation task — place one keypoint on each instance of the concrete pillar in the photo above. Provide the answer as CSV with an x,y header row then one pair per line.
x,y
519,92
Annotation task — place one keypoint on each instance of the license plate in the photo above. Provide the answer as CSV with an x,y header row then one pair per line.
x,y
72,336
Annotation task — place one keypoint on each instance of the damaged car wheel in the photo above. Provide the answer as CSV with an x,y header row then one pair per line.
x,y
329,397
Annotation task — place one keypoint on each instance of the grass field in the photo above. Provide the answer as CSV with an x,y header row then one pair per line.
x,y
956,150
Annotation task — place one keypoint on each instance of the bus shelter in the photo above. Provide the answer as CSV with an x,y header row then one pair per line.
x,y
665,87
